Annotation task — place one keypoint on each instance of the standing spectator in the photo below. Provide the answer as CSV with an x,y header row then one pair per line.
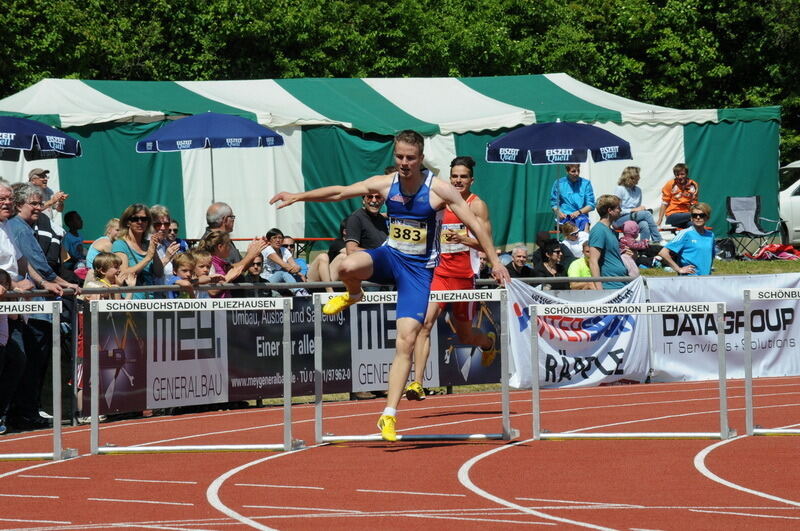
x,y
139,256
572,198
630,196
73,241
52,200
174,228
604,256
518,267
691,252
366,228
169,246
12,360
677,197
103,243
39,330
551,265
184,270
220,217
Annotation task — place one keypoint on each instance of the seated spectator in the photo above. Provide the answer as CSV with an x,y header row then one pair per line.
x,y
542,237
289,243
279,266
253,276
518,267
630,196
104,242
138,253
677,197
551,265
580,269
484,270
505,257
366,228
572,198
107,275
691,252
73,241
641,251
183,266
573,239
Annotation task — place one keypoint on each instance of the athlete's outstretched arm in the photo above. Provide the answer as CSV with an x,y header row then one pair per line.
x,y
461,209
378,184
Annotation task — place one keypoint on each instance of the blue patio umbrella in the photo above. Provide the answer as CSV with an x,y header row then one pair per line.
x,y
557,143
35,140
209,130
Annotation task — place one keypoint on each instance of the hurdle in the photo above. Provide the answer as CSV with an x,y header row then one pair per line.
x,y
54,309
507,432
260,304
649,308
749,296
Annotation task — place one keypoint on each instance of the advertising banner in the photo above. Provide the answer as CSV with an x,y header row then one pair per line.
x,y
577,351
685,345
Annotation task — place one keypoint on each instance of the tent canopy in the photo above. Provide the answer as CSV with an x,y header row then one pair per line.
x,y
339,131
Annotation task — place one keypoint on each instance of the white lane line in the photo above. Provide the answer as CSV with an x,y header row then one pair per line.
x,y
212,492
52,477
576,502
700,465
28,496
463,477
20,520
152,502
410,492
300,508
747,514
277,486
156,481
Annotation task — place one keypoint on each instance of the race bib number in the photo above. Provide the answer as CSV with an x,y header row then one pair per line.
x,y
408,236
452,247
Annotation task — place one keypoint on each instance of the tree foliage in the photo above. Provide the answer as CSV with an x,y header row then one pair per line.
x,y
676,53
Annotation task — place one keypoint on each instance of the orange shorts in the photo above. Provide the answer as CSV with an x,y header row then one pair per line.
x,y
462,311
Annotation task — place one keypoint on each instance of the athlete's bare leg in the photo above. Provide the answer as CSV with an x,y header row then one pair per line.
x,y
407,331
422,347
355,269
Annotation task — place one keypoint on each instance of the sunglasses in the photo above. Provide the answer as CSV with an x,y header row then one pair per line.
x,y
287,246
254,264
138,219
377,197
174,231
574,233
699,216
161,224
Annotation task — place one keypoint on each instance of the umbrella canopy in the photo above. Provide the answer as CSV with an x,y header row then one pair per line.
x,y
209,130
34,140
557,143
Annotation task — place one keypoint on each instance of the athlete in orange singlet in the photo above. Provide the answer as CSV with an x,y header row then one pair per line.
x,y
457,269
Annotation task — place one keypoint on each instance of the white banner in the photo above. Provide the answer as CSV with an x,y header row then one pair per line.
x,y
578,351
685,345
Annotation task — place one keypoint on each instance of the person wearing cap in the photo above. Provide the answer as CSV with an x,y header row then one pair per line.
x,y
39,177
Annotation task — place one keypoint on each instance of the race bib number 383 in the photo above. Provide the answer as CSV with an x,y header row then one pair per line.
x,y
408,236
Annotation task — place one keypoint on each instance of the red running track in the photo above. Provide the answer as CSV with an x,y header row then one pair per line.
x,y
740,483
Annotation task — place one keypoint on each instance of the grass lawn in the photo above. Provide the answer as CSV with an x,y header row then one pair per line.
x,y
740,267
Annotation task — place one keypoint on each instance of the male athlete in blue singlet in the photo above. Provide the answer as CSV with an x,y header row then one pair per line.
x,y
414,200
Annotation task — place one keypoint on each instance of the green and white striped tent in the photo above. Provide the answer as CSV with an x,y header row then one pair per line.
x,y
338,131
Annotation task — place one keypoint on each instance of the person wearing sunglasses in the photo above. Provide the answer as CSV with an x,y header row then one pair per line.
x,y
169,246
551,266
366,228
691,251
139,255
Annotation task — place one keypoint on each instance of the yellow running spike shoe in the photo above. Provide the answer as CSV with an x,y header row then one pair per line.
x,y
386,425
487,356
414,391
339,303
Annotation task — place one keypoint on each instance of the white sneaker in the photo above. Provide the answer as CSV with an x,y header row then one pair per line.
x,y
44,414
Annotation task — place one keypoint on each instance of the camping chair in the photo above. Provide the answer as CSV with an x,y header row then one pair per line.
x,y
745,219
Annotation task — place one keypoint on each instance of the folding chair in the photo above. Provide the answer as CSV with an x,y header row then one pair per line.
x,y
744,215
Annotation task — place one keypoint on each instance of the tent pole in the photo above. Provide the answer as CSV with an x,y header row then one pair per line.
x,y
211,154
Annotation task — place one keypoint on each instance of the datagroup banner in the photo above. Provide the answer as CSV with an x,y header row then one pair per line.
x,y
685,345
578,351
154,356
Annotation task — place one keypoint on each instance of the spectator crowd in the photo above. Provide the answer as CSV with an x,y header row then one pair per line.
x,y
142,247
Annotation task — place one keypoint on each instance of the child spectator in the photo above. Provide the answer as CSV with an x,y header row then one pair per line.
x,y
73,241
183,267
643,252
106,268
202,271
580,269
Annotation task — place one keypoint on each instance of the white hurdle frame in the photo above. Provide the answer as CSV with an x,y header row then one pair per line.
x,y
54,309
508,433
118,306
778,294
648,308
